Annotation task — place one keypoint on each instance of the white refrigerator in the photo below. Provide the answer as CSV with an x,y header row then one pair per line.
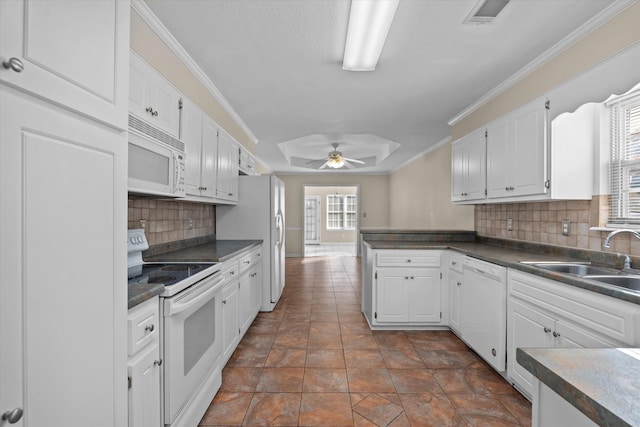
x,y
259,214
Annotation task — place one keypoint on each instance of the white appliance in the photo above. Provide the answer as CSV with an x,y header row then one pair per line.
x,y
156,161
190,330
259,214
483,323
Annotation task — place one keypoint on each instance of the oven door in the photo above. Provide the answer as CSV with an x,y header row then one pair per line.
x,y
192,341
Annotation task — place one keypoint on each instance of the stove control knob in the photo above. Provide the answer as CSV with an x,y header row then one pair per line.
x,y
139,239
133,240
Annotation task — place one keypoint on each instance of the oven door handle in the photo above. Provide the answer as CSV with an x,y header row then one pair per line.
x,y
190,303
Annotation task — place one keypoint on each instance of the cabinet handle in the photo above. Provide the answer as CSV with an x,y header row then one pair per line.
x,y
151,111
411,277
157,362
556,334
229,194
247,262
232,273
224,301
546,330
14,64
408,260
13,416
459,283
406,277
149,328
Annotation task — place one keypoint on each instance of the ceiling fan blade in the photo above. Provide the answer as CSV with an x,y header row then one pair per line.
x,y
324,165
354,160
348,165
317,160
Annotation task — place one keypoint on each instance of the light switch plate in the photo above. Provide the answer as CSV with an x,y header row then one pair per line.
x,y
566,227
509,224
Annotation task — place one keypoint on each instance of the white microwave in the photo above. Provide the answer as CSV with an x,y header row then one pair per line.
x,y
156,161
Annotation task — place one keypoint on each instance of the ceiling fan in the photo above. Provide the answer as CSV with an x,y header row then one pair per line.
x,y
336,160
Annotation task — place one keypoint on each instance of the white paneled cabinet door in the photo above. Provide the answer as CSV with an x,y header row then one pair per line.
x,y
191,135
63,356
144,396
455,300
73,53
526,327
499,159
393,294
468,165
424,292
209,157
152,98
228,164
230,318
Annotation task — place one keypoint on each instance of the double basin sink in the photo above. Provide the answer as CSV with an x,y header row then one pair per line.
x,y
621,278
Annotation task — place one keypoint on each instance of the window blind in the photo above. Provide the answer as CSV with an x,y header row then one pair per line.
x,y
625,160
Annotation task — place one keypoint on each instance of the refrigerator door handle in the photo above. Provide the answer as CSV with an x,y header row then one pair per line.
x,y
280,228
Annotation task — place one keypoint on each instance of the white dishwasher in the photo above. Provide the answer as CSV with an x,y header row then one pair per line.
x,y
483,321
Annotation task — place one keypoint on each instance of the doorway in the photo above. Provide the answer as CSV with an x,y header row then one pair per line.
x,y
330,223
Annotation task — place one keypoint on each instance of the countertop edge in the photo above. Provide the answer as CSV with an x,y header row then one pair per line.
x,y
582,401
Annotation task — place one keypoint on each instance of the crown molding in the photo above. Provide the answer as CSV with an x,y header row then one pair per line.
x,y
609,12
158,27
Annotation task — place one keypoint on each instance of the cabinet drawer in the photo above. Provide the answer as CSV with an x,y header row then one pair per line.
x,y
245,263
256,255
608,316
230,269
456,262
142,325
395,258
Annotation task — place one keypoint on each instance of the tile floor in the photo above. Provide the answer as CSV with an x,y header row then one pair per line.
x,y
313,361
330,250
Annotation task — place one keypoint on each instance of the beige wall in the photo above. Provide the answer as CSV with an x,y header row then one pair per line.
x,y
374,202
420,195
146,43
331,236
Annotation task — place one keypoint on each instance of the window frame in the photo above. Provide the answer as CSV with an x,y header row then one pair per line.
x,y
347,213
624,112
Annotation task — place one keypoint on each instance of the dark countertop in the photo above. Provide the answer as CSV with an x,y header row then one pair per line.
x,y
211,251
505,253
591,380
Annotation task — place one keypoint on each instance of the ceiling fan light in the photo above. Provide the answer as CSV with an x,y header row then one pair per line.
x,y
369,23
336,163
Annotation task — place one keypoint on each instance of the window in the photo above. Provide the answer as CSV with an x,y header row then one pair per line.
x,y
625,160
341,212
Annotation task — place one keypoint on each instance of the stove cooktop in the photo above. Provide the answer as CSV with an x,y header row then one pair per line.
x,y
166,274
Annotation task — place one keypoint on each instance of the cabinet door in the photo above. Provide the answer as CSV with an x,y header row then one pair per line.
x,y
227,168
230,318
529,140
458,170
455,300
246,302
393,295
152,98
75,54
144,394
424,295
191,135
499,159
526,327
209,157
63,192
256,286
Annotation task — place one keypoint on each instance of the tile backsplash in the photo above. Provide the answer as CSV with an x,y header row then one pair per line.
x,y
168,221
541,222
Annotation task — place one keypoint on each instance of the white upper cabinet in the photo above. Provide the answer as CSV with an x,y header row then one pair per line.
x,y
152,98
228,163
191,135
468,168
71,53
516,152
247,162
527,159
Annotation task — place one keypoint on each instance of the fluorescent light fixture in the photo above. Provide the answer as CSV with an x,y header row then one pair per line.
x,y
369,23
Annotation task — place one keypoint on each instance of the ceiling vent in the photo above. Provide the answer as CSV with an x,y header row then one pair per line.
x,y
485,11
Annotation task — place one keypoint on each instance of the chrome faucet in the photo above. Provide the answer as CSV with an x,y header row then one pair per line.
x,y
607,243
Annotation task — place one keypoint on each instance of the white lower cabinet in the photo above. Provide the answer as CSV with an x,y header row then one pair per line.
x,y
405,288
230,311
144,364
456,261
542,313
